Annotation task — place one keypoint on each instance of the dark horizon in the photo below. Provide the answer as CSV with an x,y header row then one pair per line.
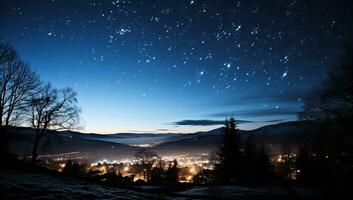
x,y
162,132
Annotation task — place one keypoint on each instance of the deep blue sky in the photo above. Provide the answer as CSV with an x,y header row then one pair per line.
x,y
176,65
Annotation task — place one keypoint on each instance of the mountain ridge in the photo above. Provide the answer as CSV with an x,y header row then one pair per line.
x,y
277,136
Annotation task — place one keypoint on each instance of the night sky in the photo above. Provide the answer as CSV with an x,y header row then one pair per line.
x,y
180,66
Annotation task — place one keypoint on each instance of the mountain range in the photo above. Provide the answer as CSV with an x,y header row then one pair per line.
x,y
286,135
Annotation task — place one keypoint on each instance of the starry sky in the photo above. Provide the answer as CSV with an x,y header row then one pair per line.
x,y
180,65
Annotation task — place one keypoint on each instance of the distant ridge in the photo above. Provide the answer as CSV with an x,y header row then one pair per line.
x,y
277,137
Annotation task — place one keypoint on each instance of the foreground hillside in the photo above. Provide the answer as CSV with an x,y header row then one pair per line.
x,y
28,185
31,185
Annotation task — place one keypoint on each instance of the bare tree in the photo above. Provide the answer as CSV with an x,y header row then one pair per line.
x,y
18,83
331,105
147,158
52,109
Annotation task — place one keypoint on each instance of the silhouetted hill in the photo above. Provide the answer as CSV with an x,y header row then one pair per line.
x,y
287,135
56,142
134,139
278,136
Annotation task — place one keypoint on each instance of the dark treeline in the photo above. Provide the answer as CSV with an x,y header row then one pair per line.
x,y
241,162
328,161
153,167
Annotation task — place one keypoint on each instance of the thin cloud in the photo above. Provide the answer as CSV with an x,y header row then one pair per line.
x,y
274,121
205,122
293,96
258,113
162,129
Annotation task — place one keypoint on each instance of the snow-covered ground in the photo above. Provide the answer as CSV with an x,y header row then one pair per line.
x,y
27,185
40,186
241,192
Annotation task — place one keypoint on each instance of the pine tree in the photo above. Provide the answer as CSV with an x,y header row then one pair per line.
x,y
157,173
304,166
71,169
264,167
230,154
173,173
250,159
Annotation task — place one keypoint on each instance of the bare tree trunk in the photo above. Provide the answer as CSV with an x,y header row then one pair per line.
x,y
3,140
35,148
145,173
